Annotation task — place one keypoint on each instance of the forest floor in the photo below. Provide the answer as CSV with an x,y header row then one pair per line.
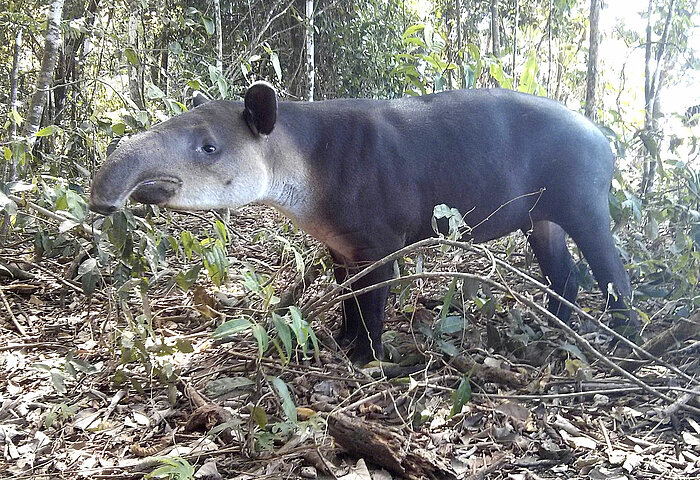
x,y
78,399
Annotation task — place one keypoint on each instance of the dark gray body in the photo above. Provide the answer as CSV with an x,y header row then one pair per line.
x,y
363,176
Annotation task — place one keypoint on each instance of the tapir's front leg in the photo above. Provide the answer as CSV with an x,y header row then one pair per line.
x,y
363,315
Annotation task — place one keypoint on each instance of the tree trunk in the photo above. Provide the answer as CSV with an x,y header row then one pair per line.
x,y
14,105
495,29
48,62
135,71
651,90
310,66
592,76
9,172
460,55
549,49
219,37
515,39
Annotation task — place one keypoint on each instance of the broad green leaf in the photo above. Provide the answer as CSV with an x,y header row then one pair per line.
x,y
16,117
227,385
118,128
260,335
47,131
284,332
187,278
208,25
87,266
275,60
231,327
461,396
131,56
154,92
260,417
283,393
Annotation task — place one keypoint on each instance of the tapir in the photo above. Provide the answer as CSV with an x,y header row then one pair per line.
x,y
364,176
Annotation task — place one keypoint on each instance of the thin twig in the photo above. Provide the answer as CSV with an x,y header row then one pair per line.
x,y
18,325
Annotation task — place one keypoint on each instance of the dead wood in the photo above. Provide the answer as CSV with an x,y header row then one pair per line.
x,y
681,331
386,448
485,373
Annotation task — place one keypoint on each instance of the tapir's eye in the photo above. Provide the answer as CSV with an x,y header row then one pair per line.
x,y
208,148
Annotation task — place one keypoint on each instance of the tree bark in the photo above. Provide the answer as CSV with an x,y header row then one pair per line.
x,y
219,37
651,90
460,55
549,49
135,71
310,65
591,110
14,105
495,30
515,38
48,63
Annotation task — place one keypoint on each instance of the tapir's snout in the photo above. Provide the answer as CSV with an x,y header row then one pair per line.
x,y
156,191
102,209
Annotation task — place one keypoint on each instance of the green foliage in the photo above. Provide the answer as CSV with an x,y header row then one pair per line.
x,y
461,396
173,468
70,368
286,327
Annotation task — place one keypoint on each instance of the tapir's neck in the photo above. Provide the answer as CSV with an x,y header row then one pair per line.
x,y
290,181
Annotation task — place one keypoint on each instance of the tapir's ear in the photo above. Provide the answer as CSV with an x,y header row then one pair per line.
x,y
261,107
198,98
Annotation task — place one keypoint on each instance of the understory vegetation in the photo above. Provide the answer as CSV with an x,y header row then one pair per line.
x,y
156,344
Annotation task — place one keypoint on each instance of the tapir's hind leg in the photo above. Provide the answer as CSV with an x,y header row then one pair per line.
x,y
548,242
596,242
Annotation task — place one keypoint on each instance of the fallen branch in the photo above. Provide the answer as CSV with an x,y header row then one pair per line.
x,y
386,448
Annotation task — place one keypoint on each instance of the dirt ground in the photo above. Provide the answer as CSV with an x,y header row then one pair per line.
x,y
505,394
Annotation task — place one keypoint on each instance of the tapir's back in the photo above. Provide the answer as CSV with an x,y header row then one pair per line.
x,y
496,154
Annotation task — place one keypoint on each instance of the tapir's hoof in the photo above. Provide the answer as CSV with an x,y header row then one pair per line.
x,y
626,323
363,355
345,339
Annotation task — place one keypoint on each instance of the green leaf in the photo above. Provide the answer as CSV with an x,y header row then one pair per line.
x,y
118,128
221,233
451,324
174,468
528,80
153,92
227,385
275,60
88,265
413,29
283,392
208,25
47,131
230,328
260,417
284,332
447,301
260,335
195,85
461,396
131,56
16,117
58,380
188,278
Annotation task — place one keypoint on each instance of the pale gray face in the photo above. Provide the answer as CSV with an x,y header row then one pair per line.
x,y
206,158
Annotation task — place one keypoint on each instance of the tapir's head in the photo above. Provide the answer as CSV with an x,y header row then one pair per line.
x,y
212,156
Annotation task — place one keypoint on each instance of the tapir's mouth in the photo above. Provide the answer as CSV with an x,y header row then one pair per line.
x,y
156,190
